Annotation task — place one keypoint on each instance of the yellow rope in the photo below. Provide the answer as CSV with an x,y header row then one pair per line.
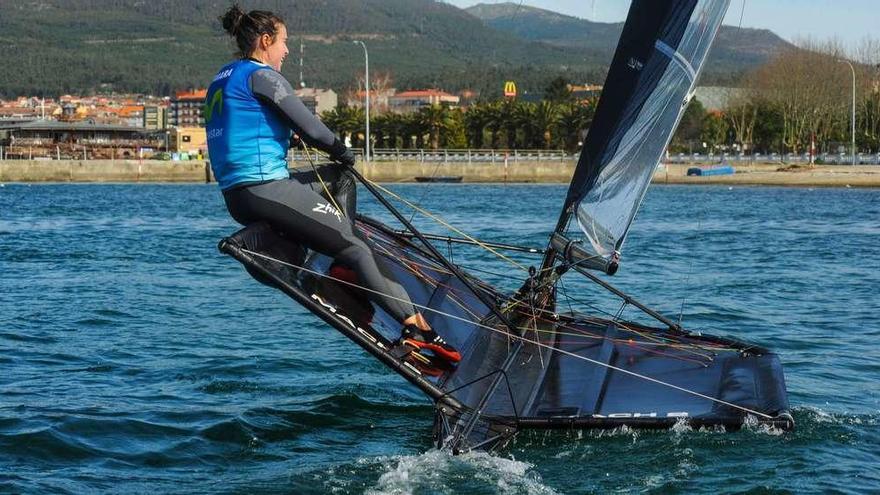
x,y
439,220
449,226
655,341
321,180
512,303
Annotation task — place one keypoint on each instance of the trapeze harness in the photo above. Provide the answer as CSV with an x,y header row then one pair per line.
x,y
250,112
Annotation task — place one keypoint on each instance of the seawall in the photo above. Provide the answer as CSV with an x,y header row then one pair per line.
x,y
199,171
102,171
406,171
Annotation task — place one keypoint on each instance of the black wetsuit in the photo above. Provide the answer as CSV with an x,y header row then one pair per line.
x,y
296,207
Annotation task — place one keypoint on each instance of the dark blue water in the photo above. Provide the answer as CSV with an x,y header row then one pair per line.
x,y
134,358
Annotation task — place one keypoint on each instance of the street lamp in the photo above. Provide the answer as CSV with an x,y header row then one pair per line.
x,y
853,69
367,97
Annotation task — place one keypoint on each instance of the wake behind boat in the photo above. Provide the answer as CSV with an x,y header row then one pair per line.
x,y
525,363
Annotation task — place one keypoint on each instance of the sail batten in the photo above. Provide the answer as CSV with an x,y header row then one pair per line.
x,y
678,58
651,80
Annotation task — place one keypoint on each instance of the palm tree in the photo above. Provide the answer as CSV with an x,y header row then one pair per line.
x,y
331,119
379,129
494,114
394,129
455,134
414,130
526,120
346,121
573,119
512,112
436,119
354,124
475,121
545,117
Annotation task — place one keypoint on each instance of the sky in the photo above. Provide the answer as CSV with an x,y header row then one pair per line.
x,y
850,21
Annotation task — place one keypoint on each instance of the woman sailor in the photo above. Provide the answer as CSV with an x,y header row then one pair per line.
x,y
251,112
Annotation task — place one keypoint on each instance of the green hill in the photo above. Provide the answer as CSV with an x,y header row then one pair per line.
x,y
52,47
59,46
734,51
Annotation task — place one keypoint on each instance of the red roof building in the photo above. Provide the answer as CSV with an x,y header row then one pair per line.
x,y
410,101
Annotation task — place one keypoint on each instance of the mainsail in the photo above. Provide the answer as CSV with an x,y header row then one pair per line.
x,y
650,82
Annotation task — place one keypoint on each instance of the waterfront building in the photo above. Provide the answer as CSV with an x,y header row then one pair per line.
x,y
19,114
412,101
155,118
68,112
186,108
585,92
379,99
318,100
131,115
192,140
112,113
53,139
467,97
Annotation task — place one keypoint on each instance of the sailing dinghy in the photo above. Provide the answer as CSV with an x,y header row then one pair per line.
x,y
527,365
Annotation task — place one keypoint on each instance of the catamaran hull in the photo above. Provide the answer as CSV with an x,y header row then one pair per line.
x,y
561,372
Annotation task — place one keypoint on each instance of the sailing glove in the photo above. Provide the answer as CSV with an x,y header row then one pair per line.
x,y
295,141
342,154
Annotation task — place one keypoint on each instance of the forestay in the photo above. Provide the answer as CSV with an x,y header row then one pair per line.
x,y
651,80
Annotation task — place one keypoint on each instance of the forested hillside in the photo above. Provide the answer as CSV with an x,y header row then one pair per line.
x,y
735,50
52,47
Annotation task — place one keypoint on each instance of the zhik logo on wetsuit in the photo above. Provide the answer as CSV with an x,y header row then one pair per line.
x,y
327,209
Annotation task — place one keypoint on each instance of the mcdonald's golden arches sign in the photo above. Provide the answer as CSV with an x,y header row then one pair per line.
x,y
510,89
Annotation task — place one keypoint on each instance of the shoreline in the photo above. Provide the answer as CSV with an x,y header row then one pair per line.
x,y
149,171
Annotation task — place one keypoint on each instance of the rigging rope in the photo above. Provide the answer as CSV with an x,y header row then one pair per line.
x,y
425,212
741,13
517,337
515,303
323,184
425,191
666,341
687,279
654,341
449,226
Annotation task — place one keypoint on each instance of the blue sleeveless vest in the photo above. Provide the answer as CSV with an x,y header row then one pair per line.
x,y
247,142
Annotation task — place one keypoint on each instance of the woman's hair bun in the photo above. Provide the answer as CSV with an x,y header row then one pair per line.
x,y
232,19
247,28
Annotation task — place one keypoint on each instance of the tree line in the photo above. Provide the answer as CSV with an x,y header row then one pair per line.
x,y
800,98
556,122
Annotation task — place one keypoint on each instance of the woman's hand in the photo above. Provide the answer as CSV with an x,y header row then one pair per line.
x,y
342,154
347,158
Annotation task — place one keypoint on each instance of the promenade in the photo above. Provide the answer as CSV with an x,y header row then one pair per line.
x,y
147,171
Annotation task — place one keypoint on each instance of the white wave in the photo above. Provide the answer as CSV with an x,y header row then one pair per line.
x,y
840,418
438,471
751,424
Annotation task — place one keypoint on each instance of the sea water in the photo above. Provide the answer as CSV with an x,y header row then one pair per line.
x,y
135,358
